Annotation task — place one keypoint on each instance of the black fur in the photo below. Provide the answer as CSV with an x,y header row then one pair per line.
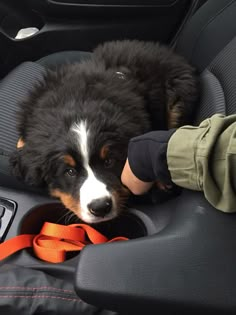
x,y
125,89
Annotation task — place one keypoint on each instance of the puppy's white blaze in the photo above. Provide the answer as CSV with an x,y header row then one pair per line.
x,y
83,134
91,189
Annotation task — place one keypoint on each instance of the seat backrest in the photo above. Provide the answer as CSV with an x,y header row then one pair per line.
x,y
209,42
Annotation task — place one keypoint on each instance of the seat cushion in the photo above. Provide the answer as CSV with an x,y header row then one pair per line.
x,y
13,89
60,58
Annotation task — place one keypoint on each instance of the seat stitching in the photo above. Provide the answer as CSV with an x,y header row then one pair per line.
x,y
39,297
35,288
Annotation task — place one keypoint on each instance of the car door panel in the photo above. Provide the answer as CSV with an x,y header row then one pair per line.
x,y
80,25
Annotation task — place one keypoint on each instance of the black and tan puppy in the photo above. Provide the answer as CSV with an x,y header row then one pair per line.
x,y
76,124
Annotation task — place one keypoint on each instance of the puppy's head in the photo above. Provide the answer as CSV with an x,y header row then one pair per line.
x,y
82,168
88,177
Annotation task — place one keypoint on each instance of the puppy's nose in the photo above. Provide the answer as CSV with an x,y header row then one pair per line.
x,y
100,207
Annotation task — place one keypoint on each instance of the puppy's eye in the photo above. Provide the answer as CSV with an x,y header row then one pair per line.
x,y
70,172
109,162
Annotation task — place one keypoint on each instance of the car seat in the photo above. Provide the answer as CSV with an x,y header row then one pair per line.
x,y
188,263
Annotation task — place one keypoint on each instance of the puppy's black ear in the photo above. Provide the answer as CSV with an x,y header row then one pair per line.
x,y
25,167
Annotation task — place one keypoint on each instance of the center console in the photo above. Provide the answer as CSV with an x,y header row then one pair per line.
x,y
178,253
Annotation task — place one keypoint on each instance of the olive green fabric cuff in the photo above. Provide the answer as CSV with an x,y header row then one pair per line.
x,y
181,157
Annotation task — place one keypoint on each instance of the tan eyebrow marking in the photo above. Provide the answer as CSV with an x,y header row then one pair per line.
x,y
20,143
68,159
104,151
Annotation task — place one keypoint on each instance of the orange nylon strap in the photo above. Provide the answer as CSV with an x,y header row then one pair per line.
x,y
55,240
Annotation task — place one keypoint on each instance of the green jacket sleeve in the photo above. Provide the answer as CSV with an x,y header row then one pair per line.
x,y
204,158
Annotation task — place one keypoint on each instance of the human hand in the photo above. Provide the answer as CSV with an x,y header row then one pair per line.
x,y
146,163
135,185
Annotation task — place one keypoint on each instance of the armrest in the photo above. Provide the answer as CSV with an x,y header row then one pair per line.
x,y
188,266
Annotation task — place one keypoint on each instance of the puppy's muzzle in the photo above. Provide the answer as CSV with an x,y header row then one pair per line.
x,y
100,207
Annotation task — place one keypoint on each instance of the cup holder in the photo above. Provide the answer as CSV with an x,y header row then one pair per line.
x,y
13,22
127,224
